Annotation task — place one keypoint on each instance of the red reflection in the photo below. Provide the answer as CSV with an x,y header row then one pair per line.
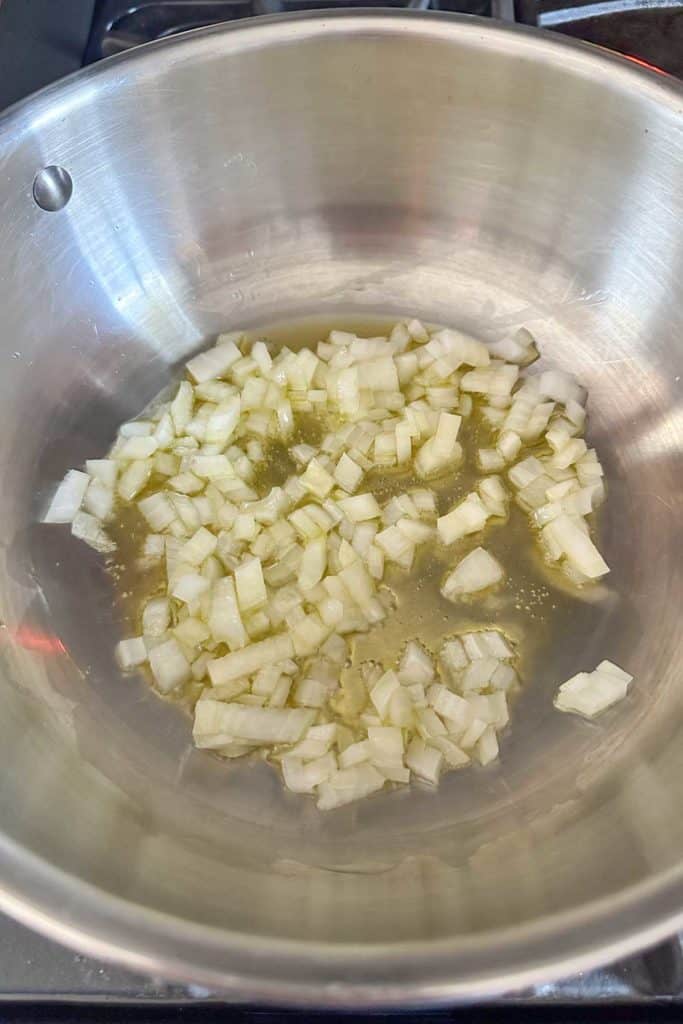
x,y
645,64
34,640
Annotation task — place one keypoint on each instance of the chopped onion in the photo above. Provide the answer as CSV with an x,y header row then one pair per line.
x,y
286,578
477,571
360,508
99,500
590,693
68,497
426,761
252,724
89,529
249,660
250,586
169,665
348,785
214,362
156,617
415,666
131,653
104,470
469,516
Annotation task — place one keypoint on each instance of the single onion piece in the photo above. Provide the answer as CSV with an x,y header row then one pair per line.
x,y
425,761
68,497
90,530
214,362
477,571
170,667
131,653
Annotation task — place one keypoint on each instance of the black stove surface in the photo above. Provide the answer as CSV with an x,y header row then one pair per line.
x,y
42,40
651,30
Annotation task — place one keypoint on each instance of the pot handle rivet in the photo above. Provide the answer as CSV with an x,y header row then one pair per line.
x,y
52,188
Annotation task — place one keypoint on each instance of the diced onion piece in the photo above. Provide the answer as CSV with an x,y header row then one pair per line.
x,y
520,349
153,548
212,467
360,507
137,448
477,571
90,530
382,692
494,496
415,531
131,653
133,478
469,516
303,777
104,470
590,693
348,474
493,380
355,753
453,656
525,472
170,667
448,704
316,480
261,355
417,331
252,724
453,755
214,362
569,454
348,785
189,587
609,668
509,444
478,673
310,693
577,547
223,421
386,744
156,617
458,347
157,510
313,563
379,374
429,464
198,547
475,730
249,660
99,500
68,497
416,666
560,386
426,761
250,586
486,749
396,546
490,460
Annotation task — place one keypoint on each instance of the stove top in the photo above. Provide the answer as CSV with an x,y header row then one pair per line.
x,y
42,40
651,30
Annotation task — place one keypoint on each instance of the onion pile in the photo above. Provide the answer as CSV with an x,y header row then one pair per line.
x,y
265,590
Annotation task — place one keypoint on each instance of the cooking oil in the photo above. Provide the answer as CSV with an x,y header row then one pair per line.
x,y
534,607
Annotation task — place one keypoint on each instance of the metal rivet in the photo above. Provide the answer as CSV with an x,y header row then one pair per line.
x,y
52,188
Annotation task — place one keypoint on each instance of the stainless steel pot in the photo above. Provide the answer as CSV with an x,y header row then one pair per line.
x,y
475,175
